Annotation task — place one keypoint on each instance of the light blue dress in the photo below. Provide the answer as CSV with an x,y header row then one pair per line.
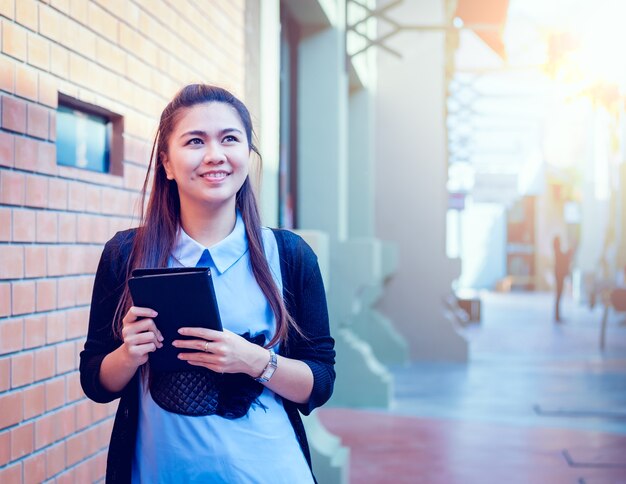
x,y
260,447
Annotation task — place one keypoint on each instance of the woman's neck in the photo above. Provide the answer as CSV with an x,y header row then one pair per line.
x,y
208,226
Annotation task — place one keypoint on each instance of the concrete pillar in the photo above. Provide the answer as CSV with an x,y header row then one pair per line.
x,y
323,203
368,323
410,179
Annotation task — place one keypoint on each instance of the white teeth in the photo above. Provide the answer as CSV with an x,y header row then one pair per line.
x,y
215,175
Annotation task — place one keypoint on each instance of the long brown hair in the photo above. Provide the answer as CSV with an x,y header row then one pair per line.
x,y
156,235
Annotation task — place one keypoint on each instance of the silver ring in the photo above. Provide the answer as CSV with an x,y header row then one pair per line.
x,y
206,347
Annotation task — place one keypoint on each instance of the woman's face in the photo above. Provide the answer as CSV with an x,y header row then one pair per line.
x,y
208,155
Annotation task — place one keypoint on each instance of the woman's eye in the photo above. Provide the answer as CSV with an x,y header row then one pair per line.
x,y
230,139
194,141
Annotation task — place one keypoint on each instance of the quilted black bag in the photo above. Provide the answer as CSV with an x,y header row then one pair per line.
x,y
200,391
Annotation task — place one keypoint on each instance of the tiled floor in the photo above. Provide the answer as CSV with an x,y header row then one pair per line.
x,y
537,403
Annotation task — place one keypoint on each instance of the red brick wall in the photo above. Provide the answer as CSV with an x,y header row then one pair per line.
x,y
128,57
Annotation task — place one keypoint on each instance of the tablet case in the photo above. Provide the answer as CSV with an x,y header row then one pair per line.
x,y
183,297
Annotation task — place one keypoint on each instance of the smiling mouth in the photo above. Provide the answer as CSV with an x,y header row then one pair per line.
x,y
215,175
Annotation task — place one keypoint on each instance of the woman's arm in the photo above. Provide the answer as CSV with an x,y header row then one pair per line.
x,y
227,352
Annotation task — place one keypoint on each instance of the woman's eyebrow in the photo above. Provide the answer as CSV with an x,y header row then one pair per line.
x,y
203,134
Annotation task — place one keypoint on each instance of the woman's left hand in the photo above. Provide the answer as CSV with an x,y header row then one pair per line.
x,y
222,351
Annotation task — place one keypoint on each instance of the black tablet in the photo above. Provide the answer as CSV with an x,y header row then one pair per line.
x,y
183,297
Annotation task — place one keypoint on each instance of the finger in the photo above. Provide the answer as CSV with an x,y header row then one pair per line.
x,y
203,333
138,326
142,349
142,338
136,312
196,344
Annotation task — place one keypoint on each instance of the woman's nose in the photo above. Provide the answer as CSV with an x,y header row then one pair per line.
x,y
214,154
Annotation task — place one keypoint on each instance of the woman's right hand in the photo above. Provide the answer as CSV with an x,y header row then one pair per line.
x,y
140,334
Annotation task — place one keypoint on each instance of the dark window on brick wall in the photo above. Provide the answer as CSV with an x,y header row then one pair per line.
x,y
89,137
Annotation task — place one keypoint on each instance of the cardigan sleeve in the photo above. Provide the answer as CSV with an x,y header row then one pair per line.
x,y
316,346
107,291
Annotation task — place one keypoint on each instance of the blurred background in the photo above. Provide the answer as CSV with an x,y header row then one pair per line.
x,y
457,165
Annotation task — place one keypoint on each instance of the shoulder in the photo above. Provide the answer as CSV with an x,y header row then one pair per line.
x,y
293,247
121,242
117,250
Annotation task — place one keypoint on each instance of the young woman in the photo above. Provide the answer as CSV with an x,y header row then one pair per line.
x,y
275,355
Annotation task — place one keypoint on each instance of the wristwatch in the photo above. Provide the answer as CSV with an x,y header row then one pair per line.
x,y
269,370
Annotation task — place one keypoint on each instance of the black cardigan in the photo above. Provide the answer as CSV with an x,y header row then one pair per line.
x,y
305,299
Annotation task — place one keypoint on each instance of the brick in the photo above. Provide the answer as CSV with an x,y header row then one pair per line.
x,y
76,448
77,320
37,123
46,226
35,261
73,388
22,369
26,13
86,43
6,224
13,114
12,188
57,193
14,40
44,363
59,261
103,22
46,158
49,23
5,378
67,227
35,468
5,448
7,8
11,336
46,295
23,225
34,401
36,191
67,417
84,288
11,405
55,393
79,70
77,195
66,292
34,329
55,327
26,153
110,56
59,61
38,52
11,262
93,198
48,92
83,414
26,82
7,74
5,299
7,149
55,459
22,440
47,430
66,357
12,473
23,297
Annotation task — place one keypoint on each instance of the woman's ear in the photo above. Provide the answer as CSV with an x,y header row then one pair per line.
x,y
166,166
